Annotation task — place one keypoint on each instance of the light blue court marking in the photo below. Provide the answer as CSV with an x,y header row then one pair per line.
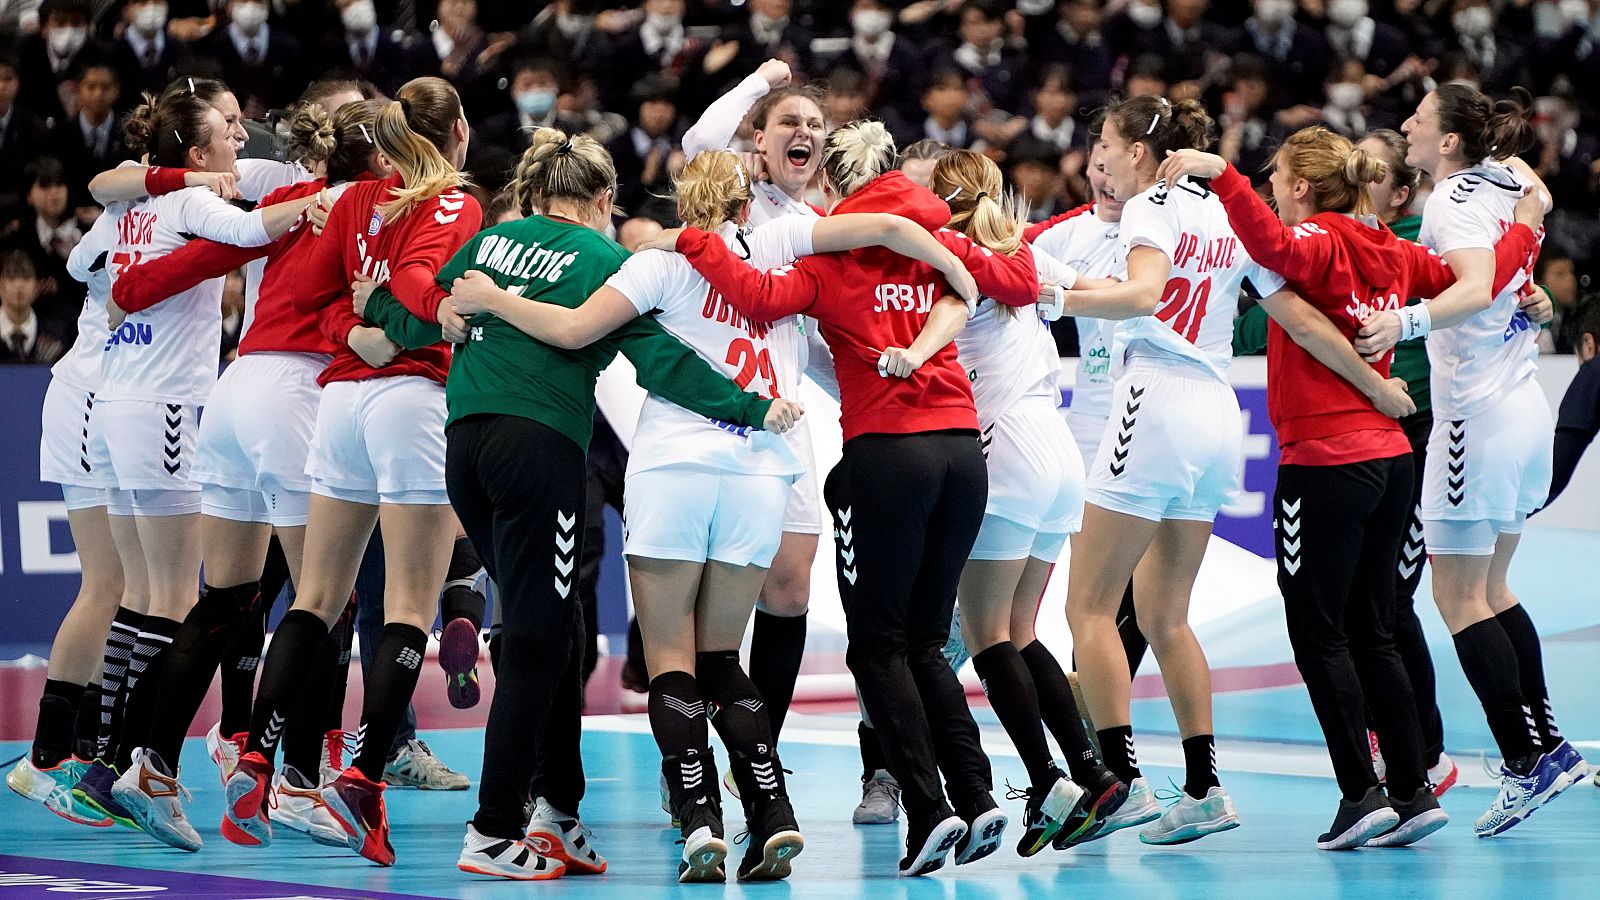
x,y
1271,856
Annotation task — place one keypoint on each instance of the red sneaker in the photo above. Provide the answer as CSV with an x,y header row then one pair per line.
x,y
246,795
458,656
356,803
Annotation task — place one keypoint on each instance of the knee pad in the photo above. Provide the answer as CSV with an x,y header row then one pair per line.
x,y
722,679
464,564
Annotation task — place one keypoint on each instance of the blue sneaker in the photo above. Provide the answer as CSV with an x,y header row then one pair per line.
x,y
1571,761
1521,795
94,791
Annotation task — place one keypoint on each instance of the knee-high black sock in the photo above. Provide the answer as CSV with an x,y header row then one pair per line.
x,y
58,710
1490,663
391,681
240,662
1133,643
144,686
113,679
343,636
1060,710
283,678
677,714
777,647
459,600
207,631
1530,671
1199,765
1011,693
872,760
303,731
734,706
86,725
1117,745
496,647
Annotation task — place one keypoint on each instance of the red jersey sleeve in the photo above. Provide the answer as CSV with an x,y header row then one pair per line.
x,y
1296,254
1516,251
143,286
446,223
1011,280
1032,232
763,296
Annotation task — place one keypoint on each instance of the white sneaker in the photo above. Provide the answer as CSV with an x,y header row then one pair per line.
x,y
880,801
299,805
1443,775
555,834
1190,819
225,751
1140,807
416,766
155,800
333,761
505,858
1379,767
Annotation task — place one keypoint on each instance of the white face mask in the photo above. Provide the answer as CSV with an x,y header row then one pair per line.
x,y
871,23
1273,13
1473,22
249,16
67,41
1346,13
359,17
572,25
1576,11
1346,95
1145,15
150,18
661,24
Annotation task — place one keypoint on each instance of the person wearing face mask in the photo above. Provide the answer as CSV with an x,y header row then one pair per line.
x,y
888,62
359,45
48,58
1293,52
260,61
566,30
769,31
1354,34
1345,111
535,88
145,57
1499,57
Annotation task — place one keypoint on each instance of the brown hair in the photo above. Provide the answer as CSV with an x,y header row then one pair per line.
x,y
557,166
17,264
343,140
970,183
927,148
1337,170
856,153
1162,125
1488,128
712,189
1395,148
762,111
167,128
413,131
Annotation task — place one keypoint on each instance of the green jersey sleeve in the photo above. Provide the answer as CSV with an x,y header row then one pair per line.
x,y
460,263
1250,332
670,370
385,311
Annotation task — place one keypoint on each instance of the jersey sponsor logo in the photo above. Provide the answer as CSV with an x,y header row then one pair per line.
x,y
1360,310
521,262
916,298
136,227
731,428
138,334
717,309
375,223
1203,256
1518,324
1097,362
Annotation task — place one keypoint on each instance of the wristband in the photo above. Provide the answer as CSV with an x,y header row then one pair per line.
x,y
160,180
1415,321
1052,310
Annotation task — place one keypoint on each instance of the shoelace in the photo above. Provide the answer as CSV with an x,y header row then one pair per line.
x,y
1170,798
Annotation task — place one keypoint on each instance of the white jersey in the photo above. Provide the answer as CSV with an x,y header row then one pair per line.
x,y
258,178
1009,354
766,357
1093,247
169,352
1193,320
715,131
1476,362
90,263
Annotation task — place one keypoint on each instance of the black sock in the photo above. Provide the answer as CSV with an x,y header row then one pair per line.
x,y
1530,671
872,760
144,686
58,712
1133,643
1009,686
1490,663
283,677
197,651
1199,765
240,662
677,714
113,678
777,647
740,717
343,636
391,681
86,725
1060,711
1117,745
458,600
305,726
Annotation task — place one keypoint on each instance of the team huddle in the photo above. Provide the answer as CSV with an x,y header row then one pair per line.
x,y
403,369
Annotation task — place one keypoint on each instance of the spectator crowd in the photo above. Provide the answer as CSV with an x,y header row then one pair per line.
x,y
1017,79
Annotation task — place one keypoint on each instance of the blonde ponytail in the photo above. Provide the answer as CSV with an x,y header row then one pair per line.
x,y
712,189
413,131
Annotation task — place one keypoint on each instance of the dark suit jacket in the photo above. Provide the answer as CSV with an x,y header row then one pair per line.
x,y
391,64
135,77
39,93
1297,76
636,196
24,138
79,159
276,81
898,86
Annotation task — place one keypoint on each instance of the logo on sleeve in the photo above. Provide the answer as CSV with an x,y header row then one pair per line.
x,y
375,223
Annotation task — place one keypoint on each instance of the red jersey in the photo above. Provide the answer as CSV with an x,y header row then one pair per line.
x,y
278,326
1033,231
1347,270
405,255
869,300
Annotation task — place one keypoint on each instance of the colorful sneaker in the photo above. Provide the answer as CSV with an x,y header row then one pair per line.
x,y
986,828
225,751
458,656
880,800
1190,819
1046,812
505,858
297,805
1419,817
927,846
1103,798
357,805
1521,795
93,792
1359,821
563,838
1443,775
1379,767
154,799
416,766
53,787
333,762
246,796
1571,761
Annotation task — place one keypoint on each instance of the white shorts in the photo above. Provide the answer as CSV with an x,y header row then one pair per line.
x,y
1086,431
1495,466
256,437
152,503
698,515
804,515
1036,477
145,445
1001,538
64,439
381,441
1453,537
1173,446
77,497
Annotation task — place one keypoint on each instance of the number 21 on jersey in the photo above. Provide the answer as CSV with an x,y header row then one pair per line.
x,y
1183,306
